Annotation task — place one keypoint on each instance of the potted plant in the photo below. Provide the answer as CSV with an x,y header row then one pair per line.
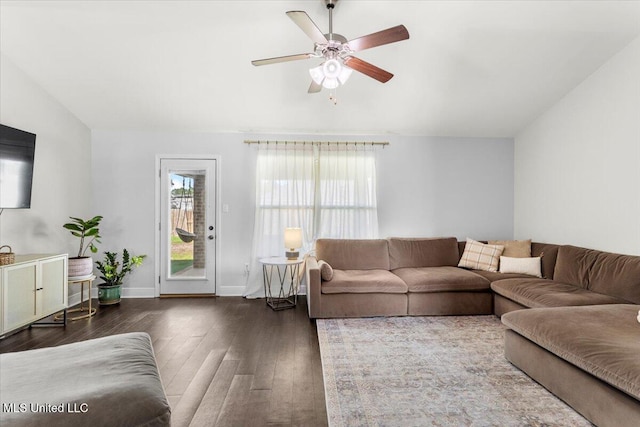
x,y
113,274
89,234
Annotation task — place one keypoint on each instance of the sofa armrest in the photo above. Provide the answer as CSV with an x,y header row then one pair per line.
x,y
314,283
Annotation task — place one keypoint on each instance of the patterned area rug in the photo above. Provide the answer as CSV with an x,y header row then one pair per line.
x,y
429,371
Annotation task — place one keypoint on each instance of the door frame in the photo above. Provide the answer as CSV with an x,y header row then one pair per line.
x,y
158,209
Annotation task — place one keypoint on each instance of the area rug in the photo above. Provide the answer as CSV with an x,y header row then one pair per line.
x,y
429,371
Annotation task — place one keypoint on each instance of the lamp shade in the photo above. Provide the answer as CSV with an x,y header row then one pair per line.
x,y
292,238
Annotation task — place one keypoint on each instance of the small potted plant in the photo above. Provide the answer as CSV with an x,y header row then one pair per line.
x,y
89,234
113,274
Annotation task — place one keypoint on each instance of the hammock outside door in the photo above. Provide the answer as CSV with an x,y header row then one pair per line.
x,y
186,200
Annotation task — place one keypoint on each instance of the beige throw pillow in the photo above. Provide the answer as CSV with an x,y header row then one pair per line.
x,y
514,248
530,266
479,256
326,271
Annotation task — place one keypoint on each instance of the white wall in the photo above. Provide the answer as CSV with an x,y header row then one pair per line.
x,y
62,170
427,187
460,187
577,167
124,177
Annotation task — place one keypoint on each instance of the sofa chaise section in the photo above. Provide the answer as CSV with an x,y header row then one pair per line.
x,y
588,356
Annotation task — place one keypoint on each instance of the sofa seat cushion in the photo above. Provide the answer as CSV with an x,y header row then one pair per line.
x,y
493,276
549,293
364,282
602,340
441,279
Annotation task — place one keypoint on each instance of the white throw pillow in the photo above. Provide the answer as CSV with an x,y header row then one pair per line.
x,y
530,266
326,271
479,256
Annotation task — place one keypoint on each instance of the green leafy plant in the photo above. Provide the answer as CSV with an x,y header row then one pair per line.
x,y
113,273
87,231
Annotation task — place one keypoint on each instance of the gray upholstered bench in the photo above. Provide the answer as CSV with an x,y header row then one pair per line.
x,y
110,381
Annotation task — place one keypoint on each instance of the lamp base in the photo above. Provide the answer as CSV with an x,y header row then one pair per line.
x,y
292,255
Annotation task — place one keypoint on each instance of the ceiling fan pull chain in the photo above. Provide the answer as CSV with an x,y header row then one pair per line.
x,y
332,96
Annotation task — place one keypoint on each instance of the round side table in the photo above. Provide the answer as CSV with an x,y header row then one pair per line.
x,y
287,271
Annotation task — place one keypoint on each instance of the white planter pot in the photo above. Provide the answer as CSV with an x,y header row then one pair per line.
x,y
80,267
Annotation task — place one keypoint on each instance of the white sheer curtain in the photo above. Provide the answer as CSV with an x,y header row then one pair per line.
x,y
285,193
328,190
347,192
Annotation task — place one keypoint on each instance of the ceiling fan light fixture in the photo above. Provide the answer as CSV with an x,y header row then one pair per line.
x,y
316,74
330,83
345,74
332,75
332,68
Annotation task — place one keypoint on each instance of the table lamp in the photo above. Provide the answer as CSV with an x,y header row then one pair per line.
x,y
292,241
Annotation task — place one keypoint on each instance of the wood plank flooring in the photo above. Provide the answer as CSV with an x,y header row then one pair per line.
x,y
224,361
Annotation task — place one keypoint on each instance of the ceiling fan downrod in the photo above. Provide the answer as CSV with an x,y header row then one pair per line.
x,y
330,6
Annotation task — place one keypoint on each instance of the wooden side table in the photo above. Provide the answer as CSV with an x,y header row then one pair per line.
x,y
89,310
288,276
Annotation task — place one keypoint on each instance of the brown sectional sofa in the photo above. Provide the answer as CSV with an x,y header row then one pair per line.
x,y
578,336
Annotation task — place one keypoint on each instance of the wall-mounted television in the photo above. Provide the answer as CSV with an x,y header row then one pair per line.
x,y
17,149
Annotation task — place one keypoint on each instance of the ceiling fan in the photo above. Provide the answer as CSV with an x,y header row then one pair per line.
x,y
337,52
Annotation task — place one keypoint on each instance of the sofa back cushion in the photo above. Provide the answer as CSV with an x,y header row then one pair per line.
x,y
616,275
514,248
354,254
573,265
425,252
548,253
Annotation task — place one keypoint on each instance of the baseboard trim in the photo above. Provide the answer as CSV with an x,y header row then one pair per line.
x,y
229,291
188,296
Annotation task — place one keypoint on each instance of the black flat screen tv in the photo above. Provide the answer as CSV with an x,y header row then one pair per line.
x,y
17,149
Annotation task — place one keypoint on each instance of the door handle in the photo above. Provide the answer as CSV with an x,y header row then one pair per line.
x,y
211,237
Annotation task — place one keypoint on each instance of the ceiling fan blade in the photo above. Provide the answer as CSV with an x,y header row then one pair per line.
x,y
314,87
390,35
278,59
305,23
369,69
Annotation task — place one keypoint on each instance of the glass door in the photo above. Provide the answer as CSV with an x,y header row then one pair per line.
x,y
187,226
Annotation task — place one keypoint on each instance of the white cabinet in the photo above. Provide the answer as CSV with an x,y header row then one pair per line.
x,y
32,288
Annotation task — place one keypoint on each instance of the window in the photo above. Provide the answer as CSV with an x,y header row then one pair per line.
x,y
346,188
328,190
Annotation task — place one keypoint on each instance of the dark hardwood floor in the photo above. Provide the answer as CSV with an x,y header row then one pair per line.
x,y
224,361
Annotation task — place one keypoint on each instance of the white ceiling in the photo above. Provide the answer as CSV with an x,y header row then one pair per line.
x,y
470,68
